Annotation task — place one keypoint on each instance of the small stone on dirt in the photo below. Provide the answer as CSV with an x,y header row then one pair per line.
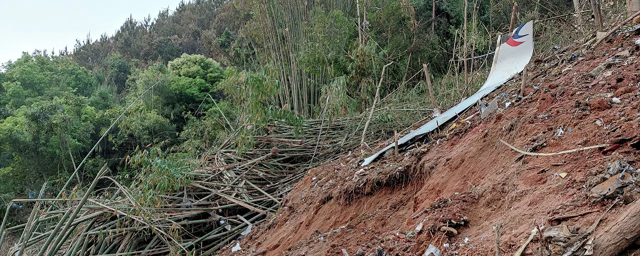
x,y
623,91
616,100
599,104
596,71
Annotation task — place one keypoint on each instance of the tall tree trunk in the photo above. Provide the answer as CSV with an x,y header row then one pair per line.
x,y
513,17
464,42
633,6
359,22
596,13
576,7
433,18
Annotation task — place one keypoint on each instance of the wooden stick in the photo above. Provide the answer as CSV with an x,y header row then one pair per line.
x,y
395,139
524,246
433,18
595,14
616,28
359,22
427,76
555,13
553,154
598,11
513,17
578,13
524,79
578,241
498,227
373,107
557,218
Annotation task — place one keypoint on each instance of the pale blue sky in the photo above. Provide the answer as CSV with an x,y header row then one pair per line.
x,y
27,25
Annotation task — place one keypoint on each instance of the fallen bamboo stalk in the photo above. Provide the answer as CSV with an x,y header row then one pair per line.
x,y
58,242
4,223
568,216
616,28
26,234
552,154
257,179
497,228
524,246
373,107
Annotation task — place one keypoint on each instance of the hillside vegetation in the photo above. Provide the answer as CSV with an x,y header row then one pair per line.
x,y
152,101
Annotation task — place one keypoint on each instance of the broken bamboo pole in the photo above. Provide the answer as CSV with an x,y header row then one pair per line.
x,y
524,81
616,28
433,18
373,107
596,14
578,12
513,17
432,96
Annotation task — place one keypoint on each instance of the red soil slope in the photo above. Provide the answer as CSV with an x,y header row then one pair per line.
x,y
466,180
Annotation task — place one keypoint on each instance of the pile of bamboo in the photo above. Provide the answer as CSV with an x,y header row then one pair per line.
x,y
225,199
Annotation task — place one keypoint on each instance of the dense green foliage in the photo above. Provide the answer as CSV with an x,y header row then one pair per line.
x,y
213,68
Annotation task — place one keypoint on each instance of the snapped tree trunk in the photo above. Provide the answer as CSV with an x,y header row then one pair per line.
x,y
576,7
596,13
619,233
633,6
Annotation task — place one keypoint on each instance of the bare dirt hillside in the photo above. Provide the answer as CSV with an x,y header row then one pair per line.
x,y
454,189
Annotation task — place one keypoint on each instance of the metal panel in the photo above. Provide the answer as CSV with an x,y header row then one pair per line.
x,y
510,59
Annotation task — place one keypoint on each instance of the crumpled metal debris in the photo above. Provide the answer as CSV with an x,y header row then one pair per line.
x,y
432,251
236,248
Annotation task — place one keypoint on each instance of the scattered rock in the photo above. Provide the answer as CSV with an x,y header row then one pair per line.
x,y
635,144
596,71
616,100
623,91
599,104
